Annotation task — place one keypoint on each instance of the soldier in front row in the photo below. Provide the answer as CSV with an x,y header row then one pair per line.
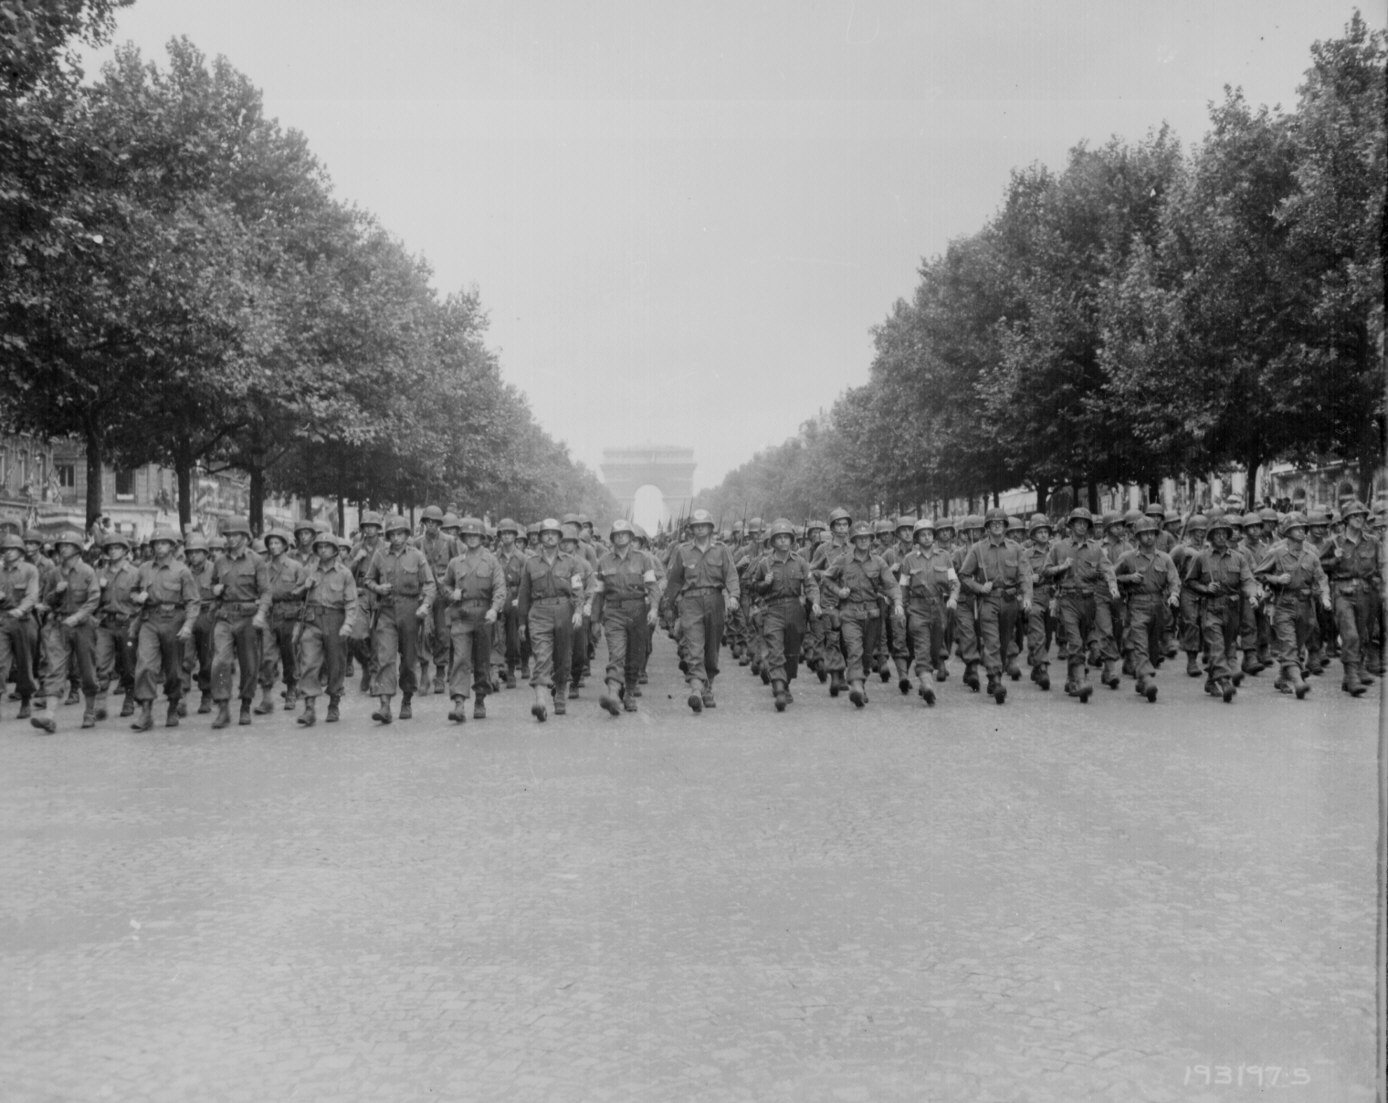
x,y
403,582
329,594
169,603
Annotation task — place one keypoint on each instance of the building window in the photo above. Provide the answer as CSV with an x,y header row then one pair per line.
x,y
125,486
67,475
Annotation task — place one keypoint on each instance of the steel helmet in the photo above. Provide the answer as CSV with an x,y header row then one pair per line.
x,y
945,524
862,528
638,532
1079,513
815,525
905,521
13,540
584,519
320,538
280,534
113,538
1223,521
217,543
1198,522
700,517
884,527
533,529
621,524
1269,516
839,514
1145,524
305,524
756,524
1293,520
432,513
549,524
925,524
229,527
506,524
1353,509
1249,519
568,531
1015,524
371,517
70,536
321,526
470,526
1319,519
168,536
1038,521
1154,509
396,523
781,527
450,521
33,536
1171,517
995,514
569,519
196,542
1132,517
344,545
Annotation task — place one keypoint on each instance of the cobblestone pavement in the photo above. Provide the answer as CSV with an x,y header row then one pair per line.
x,y
1043,901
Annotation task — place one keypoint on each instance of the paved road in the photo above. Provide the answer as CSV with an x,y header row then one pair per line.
x,y
1042,901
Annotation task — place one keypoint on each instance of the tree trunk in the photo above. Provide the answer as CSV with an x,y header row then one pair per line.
x,y
257,503
96,464
183,472
1250,486
1043,494
1093,498
1154,491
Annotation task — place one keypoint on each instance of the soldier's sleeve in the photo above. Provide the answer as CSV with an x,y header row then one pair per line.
x,y
730,581
650,577
429,589
499,590
811,586
523,595
262,586
1106,569
674,581
1247,583
352,610
1319,579
191,595
85,611
1267,564
954,584
31,593
887,583
968,569
1024,572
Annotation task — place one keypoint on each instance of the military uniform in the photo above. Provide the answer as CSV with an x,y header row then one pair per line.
x,y
1353,563
1292,571
1224,581
998,572
69,595
241,582
474,587
930,589
626,590
439,549
1151,584
784,583
699,579
859,579
1084,579
286,575
171,600
403,583
329,594
115,615
19,593
551,591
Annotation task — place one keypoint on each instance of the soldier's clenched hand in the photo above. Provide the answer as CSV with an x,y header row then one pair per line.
x,y
490,618
578,618
732,605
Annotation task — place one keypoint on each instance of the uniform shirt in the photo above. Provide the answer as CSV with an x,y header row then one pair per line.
x,y
285,574
627,577
245,579
1002,562
543,578
828,551
929,575
512,562
1184,552
1303,564
332,587
693,567
479,575
1036,560
19,588
1157,574
204,576
791,578
408,574
439,550
1345,558
170,583
118,582
1090,570
865,575
1228,568
82,593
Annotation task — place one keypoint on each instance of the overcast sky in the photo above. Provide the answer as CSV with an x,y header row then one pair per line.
x,y
684,218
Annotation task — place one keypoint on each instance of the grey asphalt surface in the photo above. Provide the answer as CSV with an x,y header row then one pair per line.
x,y
1042,901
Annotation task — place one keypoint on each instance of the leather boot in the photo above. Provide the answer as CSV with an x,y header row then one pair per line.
x,y
1083,689
1148,689
539,709
1193,668
1110,675
709,702
837,683
223,717
406,712
382,714
267,704
333,714
1251,666
204,704
1042,675
309,717
458,713
479,708
291,699
560,698
1013,670
925,690
1292,672
127,706
903,677
182,707
971,675
779,692
609,699
100,712
1227,690
857,693
44,720
171,717
510,677
1352,684
629,695
365,679
74,695
146,718
25,709
695,699
997,688
89,713
245,718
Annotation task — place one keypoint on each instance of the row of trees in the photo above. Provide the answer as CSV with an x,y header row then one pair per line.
x,y
1142,314
181,287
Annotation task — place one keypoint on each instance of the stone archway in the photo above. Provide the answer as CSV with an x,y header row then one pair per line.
x,y
668,468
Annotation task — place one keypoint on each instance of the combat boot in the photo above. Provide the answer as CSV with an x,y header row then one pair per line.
x,y
609,700
182,707
573,690
996,687
333,714
439,673
858,694
1083,689
561,707
25,709
630,692
458,713
538,709
884,671
709,702
903,677
291,700
510,677
89,712
778,690
925,690
1014,671
1110,676
837,683
1364,675
406,711
971,676
221,720
479,709
365,679
1251,666
171,716
100,712
423,682
309,716
1227,690
1292,672
44,721
1147,688
245,718
1351,683
1041,675
267,705
146,718
696,697
74,695
204,704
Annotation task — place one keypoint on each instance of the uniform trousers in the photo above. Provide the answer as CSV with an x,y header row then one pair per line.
x,y
927,621
67,650
159,655
860,624
18,642
1040,625
997,624
397,645
549,627
113,654
1293,621
966,629
470,637
624,625
1143,636
235,643
783,628
278,646
1354,607
1221,622
321,651
701,618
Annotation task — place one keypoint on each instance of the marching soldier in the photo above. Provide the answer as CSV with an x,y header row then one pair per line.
x,y
858,579
998,573
551,607
506,654
67,607
784,582
403,583
1292,570
474,588
1152,585
1086,581
439,549
838,543
286,575
570,544
1040,621
626,593
1353,562
359,562
19,594
169,602
703,584
241,585
965,628
930,587
198,649
329,594
119,579
305,533
1221,576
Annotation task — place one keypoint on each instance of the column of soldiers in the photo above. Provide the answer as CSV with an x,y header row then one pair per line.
x,y
461,609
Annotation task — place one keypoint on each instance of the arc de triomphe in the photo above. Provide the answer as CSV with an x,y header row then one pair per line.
x,y
669,469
